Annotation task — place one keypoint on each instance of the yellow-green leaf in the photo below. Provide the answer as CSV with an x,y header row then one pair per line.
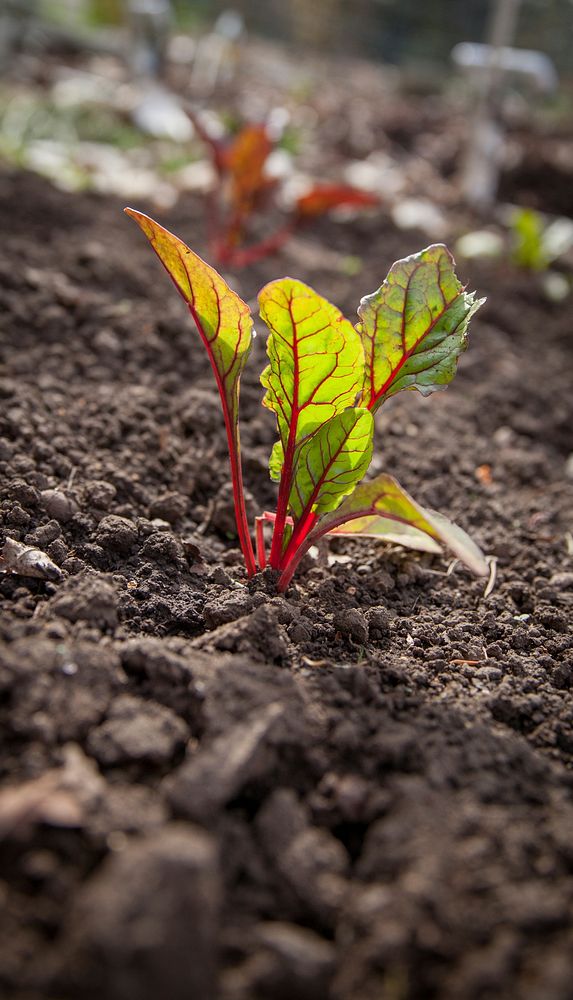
x,y
381,508
414,327
316,360
224,324
276,461
223,320
331,462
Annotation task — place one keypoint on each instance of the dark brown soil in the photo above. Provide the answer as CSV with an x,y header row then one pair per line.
x,y
359,791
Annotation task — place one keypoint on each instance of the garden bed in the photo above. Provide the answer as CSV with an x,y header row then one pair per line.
x,y
360,790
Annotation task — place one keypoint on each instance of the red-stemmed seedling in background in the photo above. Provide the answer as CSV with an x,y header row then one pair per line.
x,y
244,189
325,380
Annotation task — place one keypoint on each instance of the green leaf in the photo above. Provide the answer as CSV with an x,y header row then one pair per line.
x,y
381,508
331,462
276,461
414,328
316,361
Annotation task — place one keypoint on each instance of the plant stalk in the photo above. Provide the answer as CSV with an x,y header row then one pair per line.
x,y
260,542
250,255
304,526
239,496
234,445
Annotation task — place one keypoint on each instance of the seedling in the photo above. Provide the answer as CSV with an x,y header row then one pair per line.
x,y
324,381
536,244
244,189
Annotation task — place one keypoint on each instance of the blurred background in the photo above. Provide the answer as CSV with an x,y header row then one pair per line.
x,y
455,116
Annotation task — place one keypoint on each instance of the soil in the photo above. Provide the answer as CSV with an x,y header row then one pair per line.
x,y
362,790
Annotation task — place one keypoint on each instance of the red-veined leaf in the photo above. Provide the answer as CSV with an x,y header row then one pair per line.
x,y
244,161
387,530
316,360
414,327
224,324
316,370
322,198
331,461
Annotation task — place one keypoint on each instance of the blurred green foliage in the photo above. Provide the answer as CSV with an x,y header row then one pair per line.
x,y
528,249
187,14
536,244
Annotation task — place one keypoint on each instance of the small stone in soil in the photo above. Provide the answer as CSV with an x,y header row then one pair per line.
x,y
116,534
58,505
92,599
352,624
137,730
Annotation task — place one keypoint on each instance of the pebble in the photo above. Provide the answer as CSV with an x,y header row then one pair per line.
x,y
170,507
116,534
59,506
137,730
352,623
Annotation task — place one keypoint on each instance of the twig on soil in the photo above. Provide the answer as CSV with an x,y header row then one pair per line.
x,y
315,663
492,561
205,524
441,572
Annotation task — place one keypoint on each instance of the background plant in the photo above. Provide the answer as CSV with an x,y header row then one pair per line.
x,y
245,188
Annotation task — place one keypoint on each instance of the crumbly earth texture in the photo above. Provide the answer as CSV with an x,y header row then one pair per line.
x,y
360,790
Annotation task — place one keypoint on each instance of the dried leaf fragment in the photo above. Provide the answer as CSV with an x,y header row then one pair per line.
x,y
27,560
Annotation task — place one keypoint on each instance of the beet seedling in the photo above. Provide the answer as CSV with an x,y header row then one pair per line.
x,y
324,382
243,189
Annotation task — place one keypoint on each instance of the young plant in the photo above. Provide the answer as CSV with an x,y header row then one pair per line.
x,y
325,380
537,244
244,189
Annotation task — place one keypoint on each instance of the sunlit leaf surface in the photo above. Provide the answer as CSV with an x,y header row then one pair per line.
x,y
414,327
316,360
381,508
331,462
